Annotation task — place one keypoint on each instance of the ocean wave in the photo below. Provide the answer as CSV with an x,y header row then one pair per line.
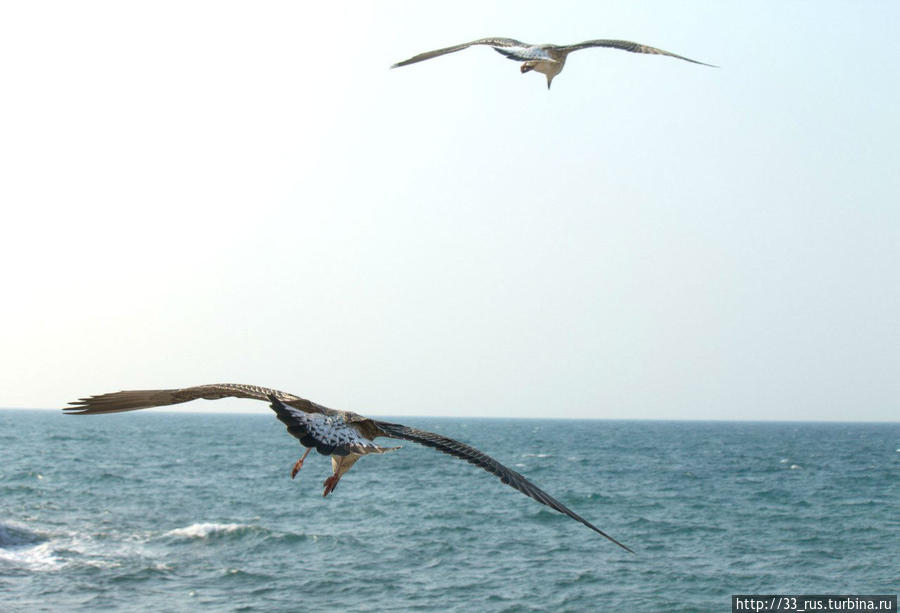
x,y
209,530
17,535
212,531
37,558
22,548
141,573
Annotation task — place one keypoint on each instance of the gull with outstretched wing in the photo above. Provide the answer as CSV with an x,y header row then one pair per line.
x,y
546,59
343,435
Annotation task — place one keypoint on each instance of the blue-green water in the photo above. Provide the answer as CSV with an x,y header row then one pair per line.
x,y
186,512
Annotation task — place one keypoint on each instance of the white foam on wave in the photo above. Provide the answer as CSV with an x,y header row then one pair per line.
x,y
536,455
36,558
21,547
204,530
24,548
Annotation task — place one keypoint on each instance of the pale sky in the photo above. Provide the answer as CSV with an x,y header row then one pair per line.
x,y
203,192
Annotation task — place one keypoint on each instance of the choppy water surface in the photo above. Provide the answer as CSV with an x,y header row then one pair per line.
x,y
185,512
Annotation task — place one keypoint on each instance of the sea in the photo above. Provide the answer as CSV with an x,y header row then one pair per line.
x,y
163,511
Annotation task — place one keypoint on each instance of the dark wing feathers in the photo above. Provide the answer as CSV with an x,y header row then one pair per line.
x,y
301,430
525,54
133,400
625,45
493,42
329,434
473,456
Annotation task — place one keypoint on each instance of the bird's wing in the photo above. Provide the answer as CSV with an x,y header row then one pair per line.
x,y
497,43
526,53
470,454
133,400
625,45
329,434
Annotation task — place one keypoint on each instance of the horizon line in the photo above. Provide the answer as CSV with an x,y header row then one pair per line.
x,y
562,418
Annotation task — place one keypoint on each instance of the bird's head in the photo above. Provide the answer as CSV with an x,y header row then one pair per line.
x,y
526,67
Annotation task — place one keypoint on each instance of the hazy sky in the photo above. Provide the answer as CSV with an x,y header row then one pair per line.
x,y
201,192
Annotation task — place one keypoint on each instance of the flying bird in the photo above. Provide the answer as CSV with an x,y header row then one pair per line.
x,y
546,59
343,435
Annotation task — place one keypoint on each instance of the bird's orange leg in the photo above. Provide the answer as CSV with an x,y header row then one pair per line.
x,y
331,483
299,463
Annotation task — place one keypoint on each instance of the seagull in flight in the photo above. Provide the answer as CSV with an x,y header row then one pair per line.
x,y
343,435
546,59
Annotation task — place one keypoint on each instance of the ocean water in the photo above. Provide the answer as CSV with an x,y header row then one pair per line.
x,y
192,512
